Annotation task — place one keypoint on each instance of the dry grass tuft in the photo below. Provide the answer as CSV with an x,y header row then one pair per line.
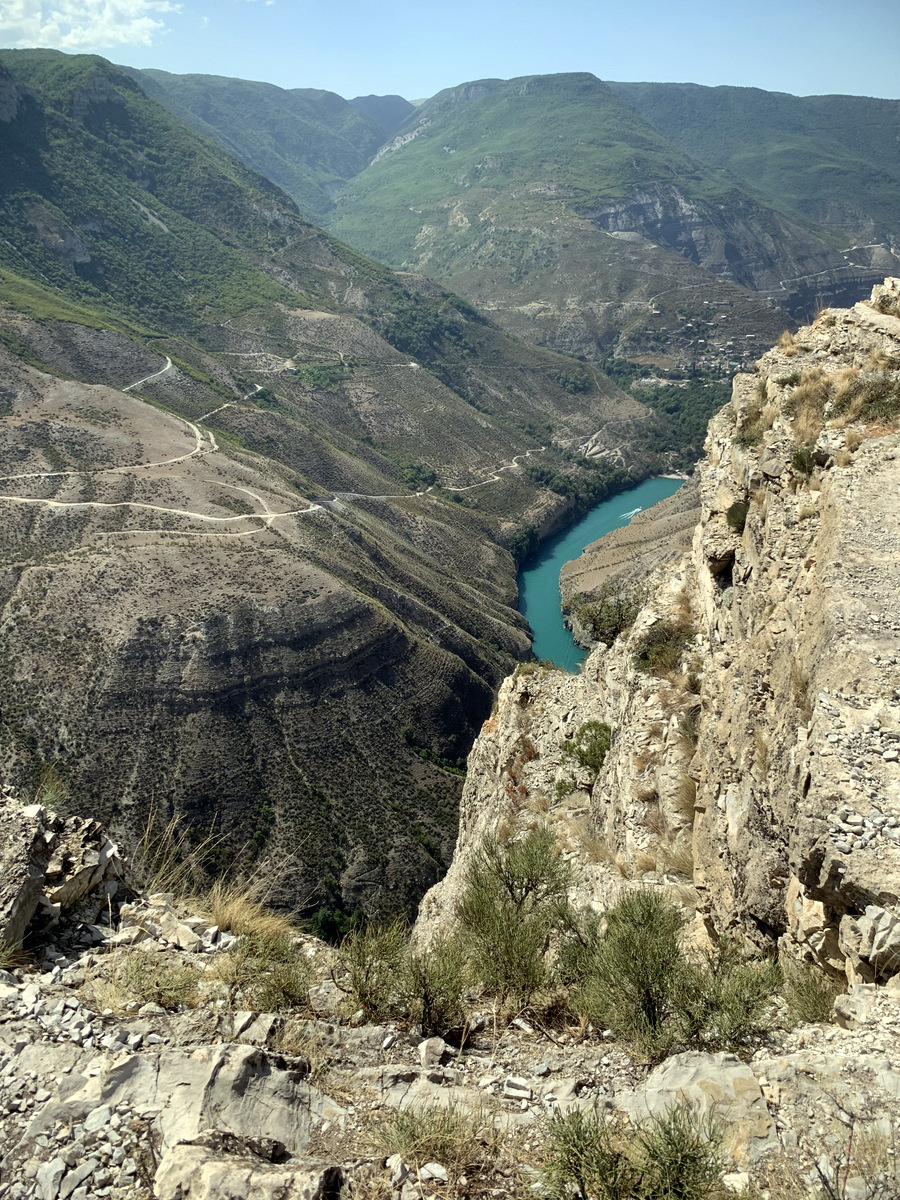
x,y
162,864
686,895
538,804
654,821
685,796
800,690
806,404
12,955
677,860
142,977
299,1038
648,795
457,1138
507,827
853,439
644,861
597,849
787,345
880,360
687,732
239,908
684,614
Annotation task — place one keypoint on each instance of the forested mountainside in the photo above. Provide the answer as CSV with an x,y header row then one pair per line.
x,y
551,202
832,159
269,585
310,142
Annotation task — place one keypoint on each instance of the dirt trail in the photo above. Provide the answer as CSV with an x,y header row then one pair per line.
x,y
205,443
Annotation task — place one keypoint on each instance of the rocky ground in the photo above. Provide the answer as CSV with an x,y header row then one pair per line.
x,y
106,1095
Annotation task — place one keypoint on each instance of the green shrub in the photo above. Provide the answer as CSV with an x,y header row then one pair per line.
x,y
523,543
726,1001
142,977
636,979
513,898
610,611
433,1133
736,516
808,992
803,461
635,975
659,649
373,958
590,745
263,972
572,381
591,1156
434,985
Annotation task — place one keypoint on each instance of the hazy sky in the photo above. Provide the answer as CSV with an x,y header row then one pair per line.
x,y
354,47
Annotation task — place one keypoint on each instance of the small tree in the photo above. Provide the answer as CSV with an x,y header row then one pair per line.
x,y
590,745
434,982
610,610
373,959
637,979
514,896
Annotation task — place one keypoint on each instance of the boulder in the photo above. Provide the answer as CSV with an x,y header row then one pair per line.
x,y
25,851
871,942
432,1051
234,1090
45,860
196,1172
717,1082
853,1010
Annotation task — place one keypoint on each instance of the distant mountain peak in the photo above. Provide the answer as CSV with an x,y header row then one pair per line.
x,y
387,111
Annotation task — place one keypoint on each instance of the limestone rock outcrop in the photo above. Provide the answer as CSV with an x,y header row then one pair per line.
x,y
50,863
759,779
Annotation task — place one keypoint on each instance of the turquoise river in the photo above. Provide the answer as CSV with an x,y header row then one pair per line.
x,y
539,598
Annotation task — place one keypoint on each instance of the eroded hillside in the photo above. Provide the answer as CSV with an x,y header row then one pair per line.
x,y
260,496
550,202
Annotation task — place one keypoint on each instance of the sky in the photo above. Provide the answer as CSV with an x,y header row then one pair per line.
x,y
354,47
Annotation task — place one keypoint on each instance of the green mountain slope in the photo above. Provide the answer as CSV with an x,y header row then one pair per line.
x,y
553,203
109,197
387,111
269,584
835,159
309,142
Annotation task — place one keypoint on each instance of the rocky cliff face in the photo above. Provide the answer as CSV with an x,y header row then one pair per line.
x,y
757,780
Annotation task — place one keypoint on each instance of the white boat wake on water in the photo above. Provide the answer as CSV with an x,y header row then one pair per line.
x,y
627,516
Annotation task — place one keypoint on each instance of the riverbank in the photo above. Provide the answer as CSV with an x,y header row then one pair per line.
x,y
635,548
539,580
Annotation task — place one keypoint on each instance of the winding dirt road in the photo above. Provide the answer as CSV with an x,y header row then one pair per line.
x,y
204,444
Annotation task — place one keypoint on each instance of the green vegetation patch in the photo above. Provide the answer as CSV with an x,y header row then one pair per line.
x,y
610,610
659,648
590,745
672,1156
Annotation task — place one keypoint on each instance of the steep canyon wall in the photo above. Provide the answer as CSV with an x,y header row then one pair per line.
x,y
754,777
